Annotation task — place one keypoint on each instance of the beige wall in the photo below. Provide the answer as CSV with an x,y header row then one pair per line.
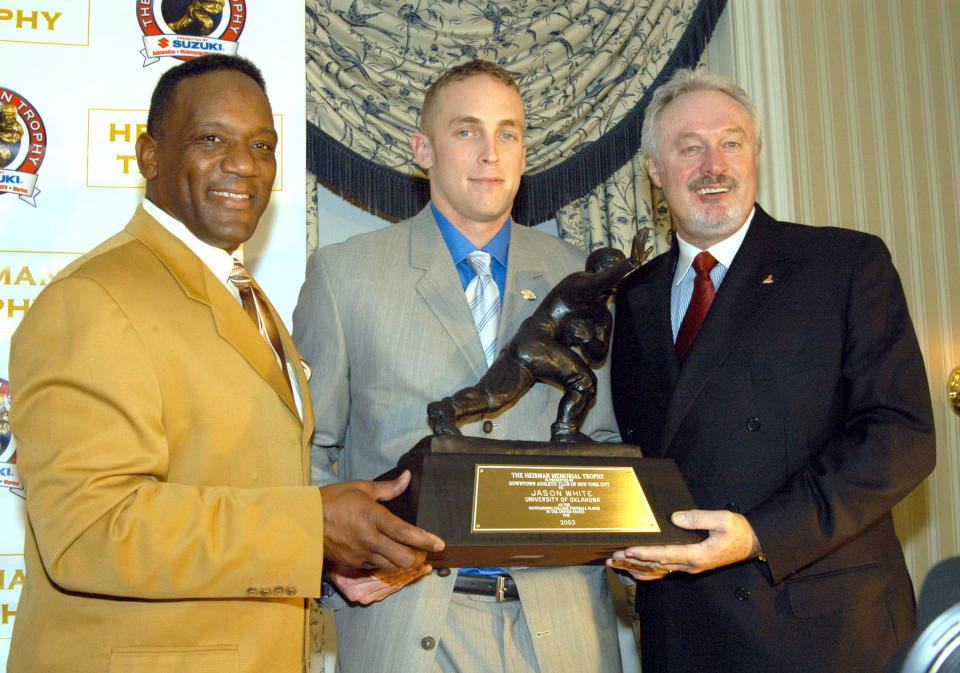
x,y
872,89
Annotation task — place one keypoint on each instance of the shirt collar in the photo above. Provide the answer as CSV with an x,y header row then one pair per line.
x,y
723,252
460,246
217,260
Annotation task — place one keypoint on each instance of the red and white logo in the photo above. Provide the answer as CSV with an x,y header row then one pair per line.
x,y
9,478
185,29
23,142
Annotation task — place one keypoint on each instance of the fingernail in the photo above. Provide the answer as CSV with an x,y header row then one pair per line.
x,y
679,517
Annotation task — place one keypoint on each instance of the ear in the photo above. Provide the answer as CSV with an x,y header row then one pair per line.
x,y
652,170
146,149
523,159
422,150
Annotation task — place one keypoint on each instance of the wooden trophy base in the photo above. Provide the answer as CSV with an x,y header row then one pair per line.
x,y
514,503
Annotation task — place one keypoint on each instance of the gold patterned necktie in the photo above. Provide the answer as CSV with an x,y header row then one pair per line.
x,y
255,304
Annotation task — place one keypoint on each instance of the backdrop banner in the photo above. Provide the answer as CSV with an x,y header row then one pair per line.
x,y
73,99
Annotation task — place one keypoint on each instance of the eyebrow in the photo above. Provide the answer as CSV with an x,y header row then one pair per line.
x,y
726,131
469,119
211,123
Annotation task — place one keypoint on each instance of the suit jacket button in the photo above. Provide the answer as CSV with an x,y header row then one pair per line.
x,y
443,572
753,424
732,507
742,594
428,643
628,433
487,427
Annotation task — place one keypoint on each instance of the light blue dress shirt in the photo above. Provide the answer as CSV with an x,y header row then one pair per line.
x,y
459,247
682,289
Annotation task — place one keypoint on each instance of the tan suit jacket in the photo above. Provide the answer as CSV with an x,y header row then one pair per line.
x,y
384,317
170,524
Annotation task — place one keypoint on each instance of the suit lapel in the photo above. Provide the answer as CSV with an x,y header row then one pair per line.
x,y
199,284
290,355
299,378
439,285
760,271
651,315
526,275
651,356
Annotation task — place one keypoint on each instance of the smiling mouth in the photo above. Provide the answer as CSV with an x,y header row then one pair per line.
x,y
713,190
713,184
232,195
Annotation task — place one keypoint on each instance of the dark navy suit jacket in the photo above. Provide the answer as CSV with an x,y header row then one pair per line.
x,y
803,404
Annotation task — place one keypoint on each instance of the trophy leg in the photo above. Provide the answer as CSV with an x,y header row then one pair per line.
x,y
443,417
566,433
580,389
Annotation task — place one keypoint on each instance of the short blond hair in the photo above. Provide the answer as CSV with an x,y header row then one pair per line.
x,y
458,73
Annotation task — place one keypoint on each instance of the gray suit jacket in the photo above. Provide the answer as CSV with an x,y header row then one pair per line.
x,y
383,321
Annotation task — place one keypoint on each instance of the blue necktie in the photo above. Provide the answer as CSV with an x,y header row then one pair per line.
x,y
484,299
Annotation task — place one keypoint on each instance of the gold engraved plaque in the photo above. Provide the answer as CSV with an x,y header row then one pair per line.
x,y
557,499
508,503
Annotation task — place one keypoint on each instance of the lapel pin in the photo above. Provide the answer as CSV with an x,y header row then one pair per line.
x,y
528,295
768,280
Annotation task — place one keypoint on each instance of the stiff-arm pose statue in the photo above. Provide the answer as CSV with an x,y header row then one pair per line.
x,y
573,315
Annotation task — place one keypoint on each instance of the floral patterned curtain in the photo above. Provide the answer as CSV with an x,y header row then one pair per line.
x,y
586,69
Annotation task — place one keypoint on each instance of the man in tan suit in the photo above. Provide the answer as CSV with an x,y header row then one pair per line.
x,y
163,442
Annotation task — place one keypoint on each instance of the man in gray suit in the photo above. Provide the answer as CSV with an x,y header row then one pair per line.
x,y
384,321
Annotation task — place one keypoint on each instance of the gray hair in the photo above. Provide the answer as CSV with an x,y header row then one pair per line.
x,y
686,80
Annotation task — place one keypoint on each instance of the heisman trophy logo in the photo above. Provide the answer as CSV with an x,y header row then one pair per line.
x,y
185,29
23,142
8,449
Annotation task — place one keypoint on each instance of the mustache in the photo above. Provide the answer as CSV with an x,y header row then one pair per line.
x,y
712,181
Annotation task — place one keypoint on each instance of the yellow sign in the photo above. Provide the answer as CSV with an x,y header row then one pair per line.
x,y
23,274
62,22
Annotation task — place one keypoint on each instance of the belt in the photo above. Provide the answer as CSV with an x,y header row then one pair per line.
x,y
501,587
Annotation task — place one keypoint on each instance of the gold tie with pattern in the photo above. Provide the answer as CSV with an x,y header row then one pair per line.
x,y
255,304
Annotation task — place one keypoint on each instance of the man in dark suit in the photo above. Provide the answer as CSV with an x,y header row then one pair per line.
x,y
797,410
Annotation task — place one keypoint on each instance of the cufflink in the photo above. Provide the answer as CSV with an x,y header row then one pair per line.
x,y
528,295
768,280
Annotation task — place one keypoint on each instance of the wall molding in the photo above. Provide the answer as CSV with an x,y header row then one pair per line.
x,y
747,47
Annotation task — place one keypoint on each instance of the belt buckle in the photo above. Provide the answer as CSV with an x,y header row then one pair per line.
x,y
501,587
